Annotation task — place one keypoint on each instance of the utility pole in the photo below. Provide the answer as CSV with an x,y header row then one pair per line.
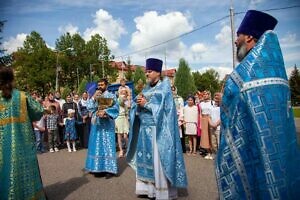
x,y
232,33
77,78
165,58
57,88
90,72
56,77
122,66
102,68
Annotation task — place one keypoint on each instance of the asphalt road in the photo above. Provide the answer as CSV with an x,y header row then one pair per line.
x,y
64,178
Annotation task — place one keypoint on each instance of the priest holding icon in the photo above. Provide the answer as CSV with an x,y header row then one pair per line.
x,y
101,157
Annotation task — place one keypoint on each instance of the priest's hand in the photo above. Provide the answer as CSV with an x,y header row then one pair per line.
x,y
101,114
97,94
141,100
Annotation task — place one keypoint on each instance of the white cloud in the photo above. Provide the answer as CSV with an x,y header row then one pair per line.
x,y
291,56
289,70
214,52
106,26
221,69
224,37
254,3
288,38
13,44
153,29
69,28
50,47
289,41
197,50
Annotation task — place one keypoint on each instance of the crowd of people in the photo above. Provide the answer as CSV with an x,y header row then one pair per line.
x,y
68,121
248,129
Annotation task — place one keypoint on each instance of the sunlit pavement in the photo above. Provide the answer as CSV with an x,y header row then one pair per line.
x,y
64,177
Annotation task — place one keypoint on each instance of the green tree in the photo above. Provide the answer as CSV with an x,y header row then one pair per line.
x,y
70,50
66,91
209,80
34,65
294,82
139,78
129,73
79,58
184,80
5,59
82,86
98,52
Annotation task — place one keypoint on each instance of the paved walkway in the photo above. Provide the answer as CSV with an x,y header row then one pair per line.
x,y
64,178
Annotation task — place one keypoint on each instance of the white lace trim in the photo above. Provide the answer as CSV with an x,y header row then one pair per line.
x,y
263,82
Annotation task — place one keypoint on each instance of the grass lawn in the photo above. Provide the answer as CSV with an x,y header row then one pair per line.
x,y
296,112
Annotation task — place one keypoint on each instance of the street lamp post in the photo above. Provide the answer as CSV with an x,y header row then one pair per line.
x,y
91,73
58,68
101,58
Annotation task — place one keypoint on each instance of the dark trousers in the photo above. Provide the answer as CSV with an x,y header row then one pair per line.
x,y
198,142
60,139
183,139
79,130
86,133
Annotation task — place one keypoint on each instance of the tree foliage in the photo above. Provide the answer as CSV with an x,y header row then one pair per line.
x,y
5,59
139,79
184,80
129,73
65,92
209,80
294,82
34,65
82,86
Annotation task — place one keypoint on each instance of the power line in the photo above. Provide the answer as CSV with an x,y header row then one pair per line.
x,y
198,28
177,37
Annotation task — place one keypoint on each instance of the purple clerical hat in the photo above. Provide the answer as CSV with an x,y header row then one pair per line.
x,y
154,64
255,23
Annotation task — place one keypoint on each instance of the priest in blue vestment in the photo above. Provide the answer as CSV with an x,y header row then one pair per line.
x,y
258,157
154,149
101,155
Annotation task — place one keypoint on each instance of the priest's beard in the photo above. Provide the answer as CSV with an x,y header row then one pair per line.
x,y
241,52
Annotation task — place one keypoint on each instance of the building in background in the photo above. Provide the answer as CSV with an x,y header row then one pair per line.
x,y
122,68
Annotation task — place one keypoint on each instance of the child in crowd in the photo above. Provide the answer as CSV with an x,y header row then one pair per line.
x,y
215,122
122,123
70,131
52,122
39,130
190,116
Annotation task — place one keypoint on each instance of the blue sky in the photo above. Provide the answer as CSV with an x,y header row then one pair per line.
x,y
133,25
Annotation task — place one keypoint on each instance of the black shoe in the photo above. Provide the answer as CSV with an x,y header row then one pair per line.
x,y
100,174
144,196
108,175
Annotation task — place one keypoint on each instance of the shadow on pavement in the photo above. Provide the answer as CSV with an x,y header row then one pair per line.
x,y
122,164
182,192
61,190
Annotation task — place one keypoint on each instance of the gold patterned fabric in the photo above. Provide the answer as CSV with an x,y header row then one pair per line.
x,y
19,171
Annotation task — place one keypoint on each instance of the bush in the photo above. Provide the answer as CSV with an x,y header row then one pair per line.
x,y
296,112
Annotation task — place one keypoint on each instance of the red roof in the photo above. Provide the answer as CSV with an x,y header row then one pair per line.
x,y
121,64
169,72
